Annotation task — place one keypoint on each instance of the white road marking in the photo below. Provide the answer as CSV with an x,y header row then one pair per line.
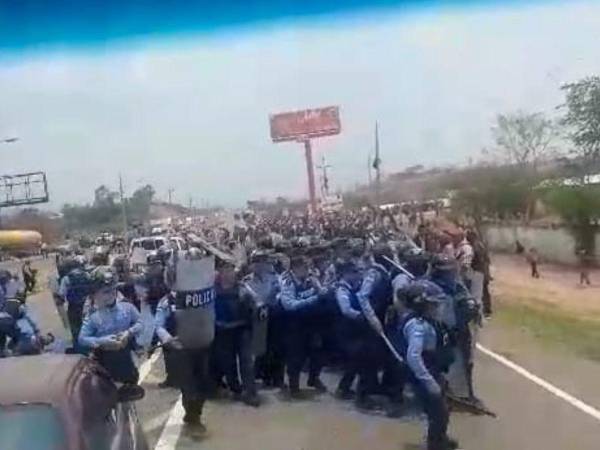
x,y
146,366
170,433
172,429
582,406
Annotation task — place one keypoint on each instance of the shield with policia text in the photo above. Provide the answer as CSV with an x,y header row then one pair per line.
x,y
194,289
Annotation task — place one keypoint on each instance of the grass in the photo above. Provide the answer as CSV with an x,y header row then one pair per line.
x,y
553,326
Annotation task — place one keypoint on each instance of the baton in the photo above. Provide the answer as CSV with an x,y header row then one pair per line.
x,y
391,348
399,267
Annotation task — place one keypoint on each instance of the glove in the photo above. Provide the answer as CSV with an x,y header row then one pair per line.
x,y
111,343
174,344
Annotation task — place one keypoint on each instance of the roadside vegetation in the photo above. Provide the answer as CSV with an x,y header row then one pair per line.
x,y
552,326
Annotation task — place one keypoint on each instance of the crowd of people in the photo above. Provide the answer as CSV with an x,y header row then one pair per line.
x,y
396,313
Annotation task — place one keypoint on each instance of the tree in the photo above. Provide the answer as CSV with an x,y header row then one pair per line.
x,y
104,197
498,192
579,207
140,202
582,121
524,139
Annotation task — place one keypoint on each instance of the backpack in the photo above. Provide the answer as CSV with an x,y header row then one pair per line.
x,y
80,284
438,360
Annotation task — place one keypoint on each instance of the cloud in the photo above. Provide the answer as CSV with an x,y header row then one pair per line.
x,y
193,113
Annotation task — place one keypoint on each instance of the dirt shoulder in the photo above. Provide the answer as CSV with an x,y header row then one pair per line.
x,y
558,288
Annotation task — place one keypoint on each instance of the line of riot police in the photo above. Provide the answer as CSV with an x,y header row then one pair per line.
x,y
295,306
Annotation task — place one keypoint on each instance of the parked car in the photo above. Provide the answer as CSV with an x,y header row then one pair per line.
x,y
65,402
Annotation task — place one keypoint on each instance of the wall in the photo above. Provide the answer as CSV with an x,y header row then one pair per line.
x,y
553,245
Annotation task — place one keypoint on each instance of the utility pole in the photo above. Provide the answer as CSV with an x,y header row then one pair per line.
x,y
123,208
377,167
311,175
170,194
190,202
324,178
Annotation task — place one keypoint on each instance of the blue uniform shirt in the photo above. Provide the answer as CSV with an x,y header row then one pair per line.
x,y
26,325
372,278
101,324
420,336
164,311
296,295
346,300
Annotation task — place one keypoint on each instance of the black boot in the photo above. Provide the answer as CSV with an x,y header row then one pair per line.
x,y
344,394
317,384
251,399
295,386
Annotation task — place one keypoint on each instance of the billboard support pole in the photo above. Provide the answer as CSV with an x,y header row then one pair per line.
x,y
310,171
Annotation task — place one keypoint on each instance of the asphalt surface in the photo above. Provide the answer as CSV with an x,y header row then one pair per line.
x,y
529,417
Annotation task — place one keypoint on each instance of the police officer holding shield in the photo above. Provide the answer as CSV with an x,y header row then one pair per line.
x,y
185,323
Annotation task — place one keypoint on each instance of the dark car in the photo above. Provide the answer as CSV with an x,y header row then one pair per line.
x,y
64,402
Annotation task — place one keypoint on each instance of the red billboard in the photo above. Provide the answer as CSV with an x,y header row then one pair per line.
x,y
302,125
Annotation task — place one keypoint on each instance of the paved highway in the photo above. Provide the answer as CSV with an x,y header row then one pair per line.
x,y
533,413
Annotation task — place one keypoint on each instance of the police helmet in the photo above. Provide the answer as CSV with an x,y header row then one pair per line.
x,y
415,296
194,253
260,256
102,277
164,251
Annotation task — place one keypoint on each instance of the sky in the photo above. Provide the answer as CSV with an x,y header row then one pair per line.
x,y
190,110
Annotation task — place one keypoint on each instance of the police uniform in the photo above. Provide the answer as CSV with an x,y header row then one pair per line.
x,y
300,302
20,327
102,326
74,288
233,341
427,351
185,321
374,297
458,313
270,365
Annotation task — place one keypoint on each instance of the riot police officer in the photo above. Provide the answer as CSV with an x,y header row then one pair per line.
x,y
352,327
261,286
150,288
300,298
185,323
427,350
111,328
233,337
460,313
74,289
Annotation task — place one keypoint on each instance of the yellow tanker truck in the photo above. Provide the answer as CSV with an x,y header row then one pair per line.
x,y
20,241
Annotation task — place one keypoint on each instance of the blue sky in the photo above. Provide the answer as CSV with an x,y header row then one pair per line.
x,y
190,109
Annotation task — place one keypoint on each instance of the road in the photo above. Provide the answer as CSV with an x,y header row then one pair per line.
x,y
529,416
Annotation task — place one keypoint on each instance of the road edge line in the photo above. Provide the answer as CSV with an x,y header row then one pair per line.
x,y
146,366
573,401
171,431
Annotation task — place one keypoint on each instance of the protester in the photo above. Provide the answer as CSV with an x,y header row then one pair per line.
x,y
533,258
